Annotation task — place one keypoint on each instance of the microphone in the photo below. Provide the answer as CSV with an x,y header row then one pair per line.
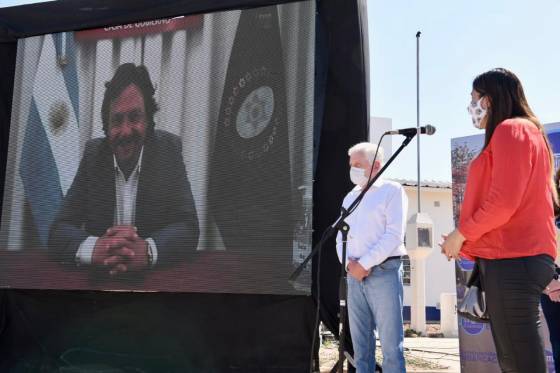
x,y
424,130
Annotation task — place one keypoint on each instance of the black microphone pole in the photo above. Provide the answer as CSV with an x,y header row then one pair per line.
x,y
342,301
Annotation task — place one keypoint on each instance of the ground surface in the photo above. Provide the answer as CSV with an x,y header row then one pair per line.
x,y
422,354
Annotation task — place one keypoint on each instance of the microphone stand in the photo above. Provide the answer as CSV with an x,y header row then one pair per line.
x,y
342,226
342,296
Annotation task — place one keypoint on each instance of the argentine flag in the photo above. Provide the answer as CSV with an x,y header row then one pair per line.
x,y
51,149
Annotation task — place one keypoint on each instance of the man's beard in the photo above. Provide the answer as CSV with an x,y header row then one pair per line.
x,y
133,141
134,138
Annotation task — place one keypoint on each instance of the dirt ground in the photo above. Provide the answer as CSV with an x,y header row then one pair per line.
x,y
421,354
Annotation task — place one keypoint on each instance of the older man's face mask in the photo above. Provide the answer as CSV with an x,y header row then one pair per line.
x,y
358,176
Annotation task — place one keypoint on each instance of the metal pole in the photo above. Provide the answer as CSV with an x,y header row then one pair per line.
x,y
418,113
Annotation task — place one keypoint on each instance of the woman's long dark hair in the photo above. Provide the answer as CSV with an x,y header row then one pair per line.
x,y
507,100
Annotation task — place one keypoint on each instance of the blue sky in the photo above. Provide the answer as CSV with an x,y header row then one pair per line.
x,y
460,39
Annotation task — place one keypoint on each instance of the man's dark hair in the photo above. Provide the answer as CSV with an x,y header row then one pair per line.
x,y
127,74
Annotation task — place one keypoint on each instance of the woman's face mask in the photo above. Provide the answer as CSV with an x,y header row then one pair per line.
x,y
477,113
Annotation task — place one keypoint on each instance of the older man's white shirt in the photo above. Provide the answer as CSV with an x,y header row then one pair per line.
x,y
377,226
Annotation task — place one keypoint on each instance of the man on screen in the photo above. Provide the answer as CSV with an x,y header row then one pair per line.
x,y
130,206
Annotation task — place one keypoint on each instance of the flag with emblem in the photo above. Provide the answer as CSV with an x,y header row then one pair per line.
x,y
51,150
250,187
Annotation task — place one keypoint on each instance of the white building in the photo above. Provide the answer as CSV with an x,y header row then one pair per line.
x,y
435,198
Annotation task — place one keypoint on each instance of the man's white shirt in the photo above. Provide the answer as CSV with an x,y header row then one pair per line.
x,y
377,226
125,210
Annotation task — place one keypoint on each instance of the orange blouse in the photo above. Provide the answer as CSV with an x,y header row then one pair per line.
x,y
507,210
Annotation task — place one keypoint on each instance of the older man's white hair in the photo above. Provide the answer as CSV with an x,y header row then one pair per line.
x,y
368,149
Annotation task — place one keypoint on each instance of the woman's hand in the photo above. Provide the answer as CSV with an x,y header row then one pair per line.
x,y
553,290
555,296
452,244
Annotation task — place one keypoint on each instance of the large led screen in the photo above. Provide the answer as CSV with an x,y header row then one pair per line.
x,y
164,155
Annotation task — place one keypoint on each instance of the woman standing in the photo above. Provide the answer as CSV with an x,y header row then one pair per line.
x,y
507,218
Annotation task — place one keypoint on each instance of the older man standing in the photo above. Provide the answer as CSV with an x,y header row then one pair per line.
x,y
374,250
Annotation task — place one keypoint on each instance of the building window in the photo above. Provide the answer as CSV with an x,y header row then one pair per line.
x,y
436,203
406,270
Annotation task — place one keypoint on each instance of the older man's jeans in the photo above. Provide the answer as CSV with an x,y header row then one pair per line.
x,y
376,303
